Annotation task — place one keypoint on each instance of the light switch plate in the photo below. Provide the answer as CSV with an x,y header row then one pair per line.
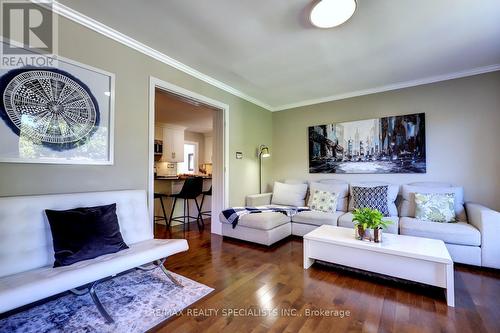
x,y
239,155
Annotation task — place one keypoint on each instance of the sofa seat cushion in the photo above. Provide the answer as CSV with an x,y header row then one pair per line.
x,y
346,222
461,233
26,287
263,221
317,218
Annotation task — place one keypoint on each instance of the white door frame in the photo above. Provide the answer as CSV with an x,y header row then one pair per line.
x,y
220,174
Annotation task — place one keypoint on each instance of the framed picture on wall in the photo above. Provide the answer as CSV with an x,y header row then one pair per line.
x,y
60,115
393,144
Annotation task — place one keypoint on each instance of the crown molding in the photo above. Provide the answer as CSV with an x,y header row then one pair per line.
x,y
107,31
395,86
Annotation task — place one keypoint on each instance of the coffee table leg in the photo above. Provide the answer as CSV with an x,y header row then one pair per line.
x,y
450,286
307,261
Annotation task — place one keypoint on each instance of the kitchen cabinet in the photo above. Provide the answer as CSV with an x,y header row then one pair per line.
x,y
208,148
173,143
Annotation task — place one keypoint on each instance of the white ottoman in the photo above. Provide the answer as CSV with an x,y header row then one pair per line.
x,y
262,228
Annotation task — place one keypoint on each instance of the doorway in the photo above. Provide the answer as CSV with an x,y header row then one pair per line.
x,y
218,142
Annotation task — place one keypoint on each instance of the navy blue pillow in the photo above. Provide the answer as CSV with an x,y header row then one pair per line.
x,y
84,233
374,197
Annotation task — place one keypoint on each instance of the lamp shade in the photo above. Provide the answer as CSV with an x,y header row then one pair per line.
x,y
264,151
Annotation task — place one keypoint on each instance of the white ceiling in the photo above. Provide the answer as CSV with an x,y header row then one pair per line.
x,y
267,49
174,110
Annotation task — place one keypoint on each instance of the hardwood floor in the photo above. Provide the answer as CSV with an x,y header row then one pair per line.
x,y
252,278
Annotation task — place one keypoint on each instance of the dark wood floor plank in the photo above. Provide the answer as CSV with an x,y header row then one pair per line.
x,y
252,277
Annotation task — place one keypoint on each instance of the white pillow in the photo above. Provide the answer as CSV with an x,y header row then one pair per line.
x,y
289,194
340,188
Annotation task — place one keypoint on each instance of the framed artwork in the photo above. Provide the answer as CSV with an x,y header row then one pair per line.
x,y
60,115
385,145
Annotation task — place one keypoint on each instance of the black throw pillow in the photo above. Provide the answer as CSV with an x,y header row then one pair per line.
x,y
84,233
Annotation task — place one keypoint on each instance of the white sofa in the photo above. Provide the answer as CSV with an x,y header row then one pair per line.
x,y
27,255
473,240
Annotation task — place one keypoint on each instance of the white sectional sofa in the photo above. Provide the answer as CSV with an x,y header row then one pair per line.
x,y
27,255
473,240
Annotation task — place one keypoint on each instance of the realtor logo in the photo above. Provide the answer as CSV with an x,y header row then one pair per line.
x,y
28,33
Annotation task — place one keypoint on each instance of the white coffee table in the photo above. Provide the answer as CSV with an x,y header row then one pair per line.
x,y
417,259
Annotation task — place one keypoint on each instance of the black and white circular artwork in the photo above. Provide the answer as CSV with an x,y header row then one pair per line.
x,y
49,106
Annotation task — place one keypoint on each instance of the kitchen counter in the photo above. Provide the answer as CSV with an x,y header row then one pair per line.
x,y
178,178
166,178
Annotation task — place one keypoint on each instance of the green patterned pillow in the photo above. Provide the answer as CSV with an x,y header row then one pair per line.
x,y
323,201
436,207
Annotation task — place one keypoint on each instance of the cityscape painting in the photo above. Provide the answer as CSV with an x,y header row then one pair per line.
x,y
385,145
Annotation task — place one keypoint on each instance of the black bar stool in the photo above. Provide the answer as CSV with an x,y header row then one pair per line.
x,y
191,189
206,212
160,196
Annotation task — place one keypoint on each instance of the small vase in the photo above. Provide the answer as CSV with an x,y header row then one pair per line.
x,y
360,232
377,235
369,234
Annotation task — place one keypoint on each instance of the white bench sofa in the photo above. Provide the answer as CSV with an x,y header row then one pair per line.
x,y
27,255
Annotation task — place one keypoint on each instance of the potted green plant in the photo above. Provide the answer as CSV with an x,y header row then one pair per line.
x,y
369,223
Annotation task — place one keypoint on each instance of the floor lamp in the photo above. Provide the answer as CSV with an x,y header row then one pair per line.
x,y
263,153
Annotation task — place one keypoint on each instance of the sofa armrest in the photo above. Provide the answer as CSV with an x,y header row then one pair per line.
x,y
259,199
488,223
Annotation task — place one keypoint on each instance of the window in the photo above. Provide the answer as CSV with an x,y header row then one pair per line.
x,y
190,164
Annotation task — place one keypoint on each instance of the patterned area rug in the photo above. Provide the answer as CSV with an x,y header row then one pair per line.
x,y
137,301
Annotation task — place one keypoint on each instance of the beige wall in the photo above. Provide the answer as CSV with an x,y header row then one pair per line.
x,y
249,125
462,129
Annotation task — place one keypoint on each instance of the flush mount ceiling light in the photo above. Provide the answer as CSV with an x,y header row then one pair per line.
x,y
331,13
